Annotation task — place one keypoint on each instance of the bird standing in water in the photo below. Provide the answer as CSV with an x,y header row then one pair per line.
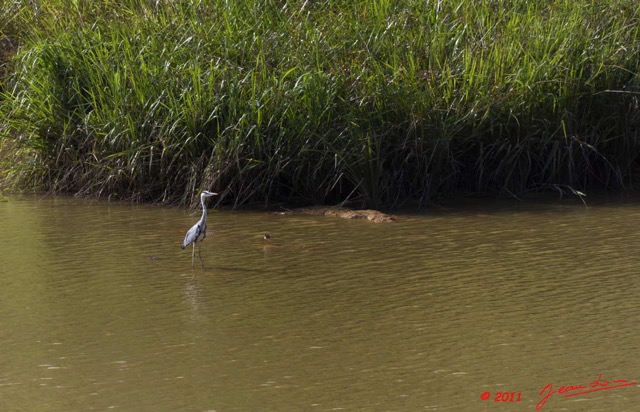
x,y
199,231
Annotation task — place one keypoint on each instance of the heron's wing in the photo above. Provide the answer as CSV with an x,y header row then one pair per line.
x,y
192,235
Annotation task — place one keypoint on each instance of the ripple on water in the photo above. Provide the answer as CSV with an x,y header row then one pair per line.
x,y
428,312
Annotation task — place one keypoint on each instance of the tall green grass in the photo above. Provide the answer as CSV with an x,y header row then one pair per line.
x,y
377,102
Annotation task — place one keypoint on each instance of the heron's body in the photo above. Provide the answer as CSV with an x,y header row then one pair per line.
x,y
198,232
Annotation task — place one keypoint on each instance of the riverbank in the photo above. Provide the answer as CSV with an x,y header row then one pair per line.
x,y
379,103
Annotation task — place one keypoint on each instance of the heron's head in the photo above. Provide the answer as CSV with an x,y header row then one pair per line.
x,y
207,193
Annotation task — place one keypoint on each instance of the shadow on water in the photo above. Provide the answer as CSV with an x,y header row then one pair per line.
x,y
428,313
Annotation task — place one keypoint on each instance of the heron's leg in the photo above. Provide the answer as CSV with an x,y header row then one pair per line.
x,y
193,256
199,254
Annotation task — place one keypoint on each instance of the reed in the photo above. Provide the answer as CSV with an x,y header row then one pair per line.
x,y
375,102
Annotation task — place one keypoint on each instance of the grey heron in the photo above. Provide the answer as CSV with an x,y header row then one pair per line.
x,y
198,232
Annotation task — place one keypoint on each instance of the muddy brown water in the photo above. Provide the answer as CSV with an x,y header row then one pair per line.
x,y
100,309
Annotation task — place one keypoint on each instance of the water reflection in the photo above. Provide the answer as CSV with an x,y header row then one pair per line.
x,y
424,314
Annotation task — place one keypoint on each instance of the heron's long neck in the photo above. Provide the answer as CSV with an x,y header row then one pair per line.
x,y
204,209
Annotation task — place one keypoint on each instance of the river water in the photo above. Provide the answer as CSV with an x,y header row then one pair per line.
x,y
100,309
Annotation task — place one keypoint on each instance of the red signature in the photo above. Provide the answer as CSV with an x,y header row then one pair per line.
x,y
577,390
